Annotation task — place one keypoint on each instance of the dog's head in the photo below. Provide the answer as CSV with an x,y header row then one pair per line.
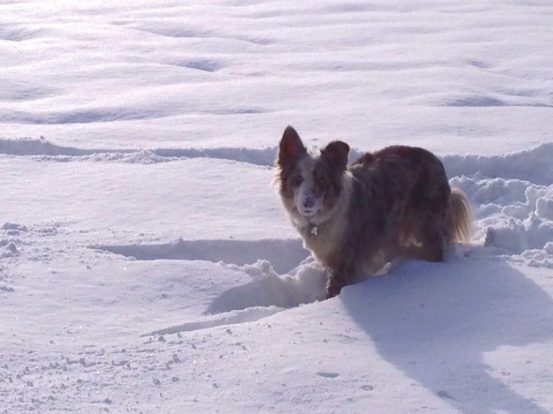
x,y
310,185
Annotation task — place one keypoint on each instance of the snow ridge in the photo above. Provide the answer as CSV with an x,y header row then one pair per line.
x,y
283,255
250,314
533,165
47,150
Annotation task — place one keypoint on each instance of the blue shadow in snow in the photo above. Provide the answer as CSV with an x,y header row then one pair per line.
x,y
434,322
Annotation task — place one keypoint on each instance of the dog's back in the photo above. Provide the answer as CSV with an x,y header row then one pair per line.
x,y
403,195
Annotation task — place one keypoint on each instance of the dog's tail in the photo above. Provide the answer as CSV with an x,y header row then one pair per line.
x,y
460,216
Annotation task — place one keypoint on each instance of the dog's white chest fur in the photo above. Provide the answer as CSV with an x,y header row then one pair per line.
x,y
324,238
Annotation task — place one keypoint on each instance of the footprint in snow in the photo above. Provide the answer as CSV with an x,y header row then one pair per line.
x,y
328,374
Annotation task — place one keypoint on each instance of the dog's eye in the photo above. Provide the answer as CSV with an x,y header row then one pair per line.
x,y
321,180
297,180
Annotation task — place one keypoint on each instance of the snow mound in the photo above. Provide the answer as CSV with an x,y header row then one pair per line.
x,y
282,274
267,294
511,215
304,284
533,165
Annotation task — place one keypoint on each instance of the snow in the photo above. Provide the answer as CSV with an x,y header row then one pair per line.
x,y
146,264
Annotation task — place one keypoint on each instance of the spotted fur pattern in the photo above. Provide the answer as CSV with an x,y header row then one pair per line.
x,y
389,204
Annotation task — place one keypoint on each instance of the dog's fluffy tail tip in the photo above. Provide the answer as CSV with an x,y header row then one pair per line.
x,y
461,216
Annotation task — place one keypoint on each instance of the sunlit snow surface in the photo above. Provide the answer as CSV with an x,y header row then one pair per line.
x,y
146,264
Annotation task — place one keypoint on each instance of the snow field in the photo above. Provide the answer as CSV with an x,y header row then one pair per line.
x,y
146,264
463,76
131,331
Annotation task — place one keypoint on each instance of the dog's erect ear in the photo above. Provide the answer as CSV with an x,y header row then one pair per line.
x,y
336,153
291,146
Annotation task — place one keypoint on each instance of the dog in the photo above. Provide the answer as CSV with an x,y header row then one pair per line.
x,y
389,205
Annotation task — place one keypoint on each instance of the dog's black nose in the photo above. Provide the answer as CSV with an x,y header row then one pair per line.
x,y
309,201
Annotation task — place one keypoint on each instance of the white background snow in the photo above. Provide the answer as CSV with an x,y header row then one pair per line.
x,y
146,264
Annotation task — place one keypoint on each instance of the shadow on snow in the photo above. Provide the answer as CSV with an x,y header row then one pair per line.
x,y
434,322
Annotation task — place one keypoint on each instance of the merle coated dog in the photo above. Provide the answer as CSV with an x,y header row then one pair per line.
x,y
388,205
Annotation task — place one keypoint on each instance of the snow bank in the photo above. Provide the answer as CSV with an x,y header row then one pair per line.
x,y
268,294
284,255
282,274
48,150
512,215
304,284
533,165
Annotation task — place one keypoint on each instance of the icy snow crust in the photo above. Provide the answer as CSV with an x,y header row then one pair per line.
x,y
146,264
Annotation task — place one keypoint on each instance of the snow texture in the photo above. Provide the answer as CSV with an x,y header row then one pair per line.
x,y
146,264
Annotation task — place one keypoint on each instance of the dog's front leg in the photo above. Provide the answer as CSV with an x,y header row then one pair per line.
x,y
337,279
334,286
